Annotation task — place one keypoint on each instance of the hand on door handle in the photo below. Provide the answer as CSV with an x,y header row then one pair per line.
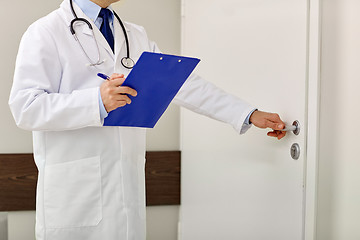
x,y
289,128
269,120
295,128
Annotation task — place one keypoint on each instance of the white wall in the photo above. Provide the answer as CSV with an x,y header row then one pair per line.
x,y
339,166
161,18
3,226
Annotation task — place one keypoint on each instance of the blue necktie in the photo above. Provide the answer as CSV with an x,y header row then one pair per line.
x,y
105,29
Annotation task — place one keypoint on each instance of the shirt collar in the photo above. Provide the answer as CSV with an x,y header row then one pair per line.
x,y
90,9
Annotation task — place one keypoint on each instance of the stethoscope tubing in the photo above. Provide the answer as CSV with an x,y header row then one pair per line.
x,y
72,30
125,34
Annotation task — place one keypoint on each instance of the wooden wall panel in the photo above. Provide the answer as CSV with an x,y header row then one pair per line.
x,y
18,176
163,178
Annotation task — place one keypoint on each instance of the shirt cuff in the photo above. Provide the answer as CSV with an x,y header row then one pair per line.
x,y
103,112
247,120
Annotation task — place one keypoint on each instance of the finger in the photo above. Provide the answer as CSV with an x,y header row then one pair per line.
x,y
275,125
127,90
116,82
121,104
126,99
278,134
121,97
116,75
114,105
272,134
275,119
281,135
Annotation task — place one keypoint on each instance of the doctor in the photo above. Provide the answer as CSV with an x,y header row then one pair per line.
x,y
91,178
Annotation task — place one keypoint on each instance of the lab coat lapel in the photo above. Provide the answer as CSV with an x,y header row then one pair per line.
x,y
102,41
84,29
66,12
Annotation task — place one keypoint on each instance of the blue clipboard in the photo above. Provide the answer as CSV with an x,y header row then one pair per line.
x,y
157,78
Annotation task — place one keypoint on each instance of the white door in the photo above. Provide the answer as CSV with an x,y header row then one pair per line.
x,y
245,187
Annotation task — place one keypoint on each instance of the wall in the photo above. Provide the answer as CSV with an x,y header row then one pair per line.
x,y
151,15
3,226
339,162
162,221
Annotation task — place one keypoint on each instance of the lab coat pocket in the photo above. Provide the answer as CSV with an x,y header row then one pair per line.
x,y
72,194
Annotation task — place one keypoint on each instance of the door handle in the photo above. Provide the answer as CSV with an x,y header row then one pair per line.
x,y
295,128
295,151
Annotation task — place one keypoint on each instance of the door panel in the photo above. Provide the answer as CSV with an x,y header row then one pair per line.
x,y
245,187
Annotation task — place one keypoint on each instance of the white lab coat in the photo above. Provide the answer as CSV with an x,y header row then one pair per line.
x,y
91,178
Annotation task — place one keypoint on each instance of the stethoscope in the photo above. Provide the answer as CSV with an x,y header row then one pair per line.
x,y
127,62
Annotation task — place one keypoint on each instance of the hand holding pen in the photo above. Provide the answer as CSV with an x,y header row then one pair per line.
x,y
103,76
113,94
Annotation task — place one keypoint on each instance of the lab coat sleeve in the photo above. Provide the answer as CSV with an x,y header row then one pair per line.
x,y
203,97
35,101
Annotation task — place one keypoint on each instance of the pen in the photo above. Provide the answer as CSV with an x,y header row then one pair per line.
x,y
103,76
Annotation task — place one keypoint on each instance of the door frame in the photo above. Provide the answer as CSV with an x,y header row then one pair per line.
x,y
313,110
312,119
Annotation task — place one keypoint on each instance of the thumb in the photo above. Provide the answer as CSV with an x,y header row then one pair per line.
x,y
280,126
275,125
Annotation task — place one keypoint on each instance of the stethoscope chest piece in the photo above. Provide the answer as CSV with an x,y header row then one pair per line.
x,y
127,62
